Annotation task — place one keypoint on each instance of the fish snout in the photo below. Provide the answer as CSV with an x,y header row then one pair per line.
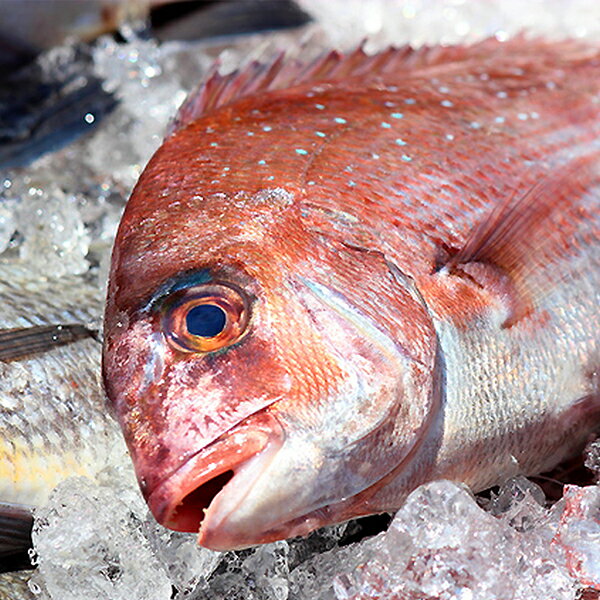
x,y
181,500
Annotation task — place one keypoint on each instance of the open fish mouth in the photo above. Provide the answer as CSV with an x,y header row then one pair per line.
x,y
202,493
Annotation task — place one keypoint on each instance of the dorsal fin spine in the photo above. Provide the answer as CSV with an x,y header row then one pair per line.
x,y
282,72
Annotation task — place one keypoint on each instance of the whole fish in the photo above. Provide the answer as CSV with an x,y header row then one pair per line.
x,y
54,421
338,280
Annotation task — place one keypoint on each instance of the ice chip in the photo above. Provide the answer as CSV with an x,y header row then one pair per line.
x,y
592,457
148,97
8,225
384,22
55,241
520,502
316,578
579,533
269,568
188,565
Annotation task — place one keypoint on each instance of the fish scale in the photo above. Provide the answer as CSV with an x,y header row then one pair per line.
x,y
54,421
413,237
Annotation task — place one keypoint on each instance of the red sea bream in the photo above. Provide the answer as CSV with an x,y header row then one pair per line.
x,y
336,281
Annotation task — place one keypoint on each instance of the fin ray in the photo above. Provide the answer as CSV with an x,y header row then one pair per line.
x,y
528,231
391,65
19,343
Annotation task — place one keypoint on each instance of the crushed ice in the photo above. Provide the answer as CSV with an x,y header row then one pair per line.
x,y
98,541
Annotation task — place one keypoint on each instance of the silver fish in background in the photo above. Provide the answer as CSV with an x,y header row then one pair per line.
x,y
54,421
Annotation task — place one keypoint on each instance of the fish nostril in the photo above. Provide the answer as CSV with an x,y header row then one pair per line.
x,y
189,512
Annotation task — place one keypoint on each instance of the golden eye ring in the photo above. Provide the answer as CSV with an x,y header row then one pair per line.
x,y
205,318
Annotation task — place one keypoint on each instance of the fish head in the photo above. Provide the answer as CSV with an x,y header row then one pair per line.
x,y
265,374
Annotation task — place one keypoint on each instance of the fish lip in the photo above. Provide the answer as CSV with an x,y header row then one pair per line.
x,y
229,452
216,538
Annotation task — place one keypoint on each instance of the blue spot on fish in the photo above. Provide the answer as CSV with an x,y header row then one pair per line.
x,y
301,151
397,115
267,128
406,158
385,125
340,120
319,133
320,106
400,142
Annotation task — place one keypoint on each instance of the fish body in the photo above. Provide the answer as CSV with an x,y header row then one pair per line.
x,y
335,282
54,422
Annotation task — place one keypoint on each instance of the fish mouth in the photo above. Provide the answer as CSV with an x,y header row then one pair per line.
x,y
187,497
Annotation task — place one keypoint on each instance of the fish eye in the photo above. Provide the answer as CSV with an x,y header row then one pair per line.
x,y
205,318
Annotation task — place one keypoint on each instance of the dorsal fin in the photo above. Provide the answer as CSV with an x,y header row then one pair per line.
x,y
524,234
219,90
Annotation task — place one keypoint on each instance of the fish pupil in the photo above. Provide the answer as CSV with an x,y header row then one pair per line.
x,y
205,320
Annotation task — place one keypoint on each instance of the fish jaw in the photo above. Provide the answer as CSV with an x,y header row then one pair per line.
x,y
288,490
253,486
266,500
180,501
231,492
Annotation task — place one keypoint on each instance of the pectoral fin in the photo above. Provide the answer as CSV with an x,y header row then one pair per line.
x,y
524,236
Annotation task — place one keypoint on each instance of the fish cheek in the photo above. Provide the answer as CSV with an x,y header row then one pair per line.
x,y
252,369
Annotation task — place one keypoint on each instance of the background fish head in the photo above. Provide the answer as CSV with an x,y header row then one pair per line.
x,y
309,390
